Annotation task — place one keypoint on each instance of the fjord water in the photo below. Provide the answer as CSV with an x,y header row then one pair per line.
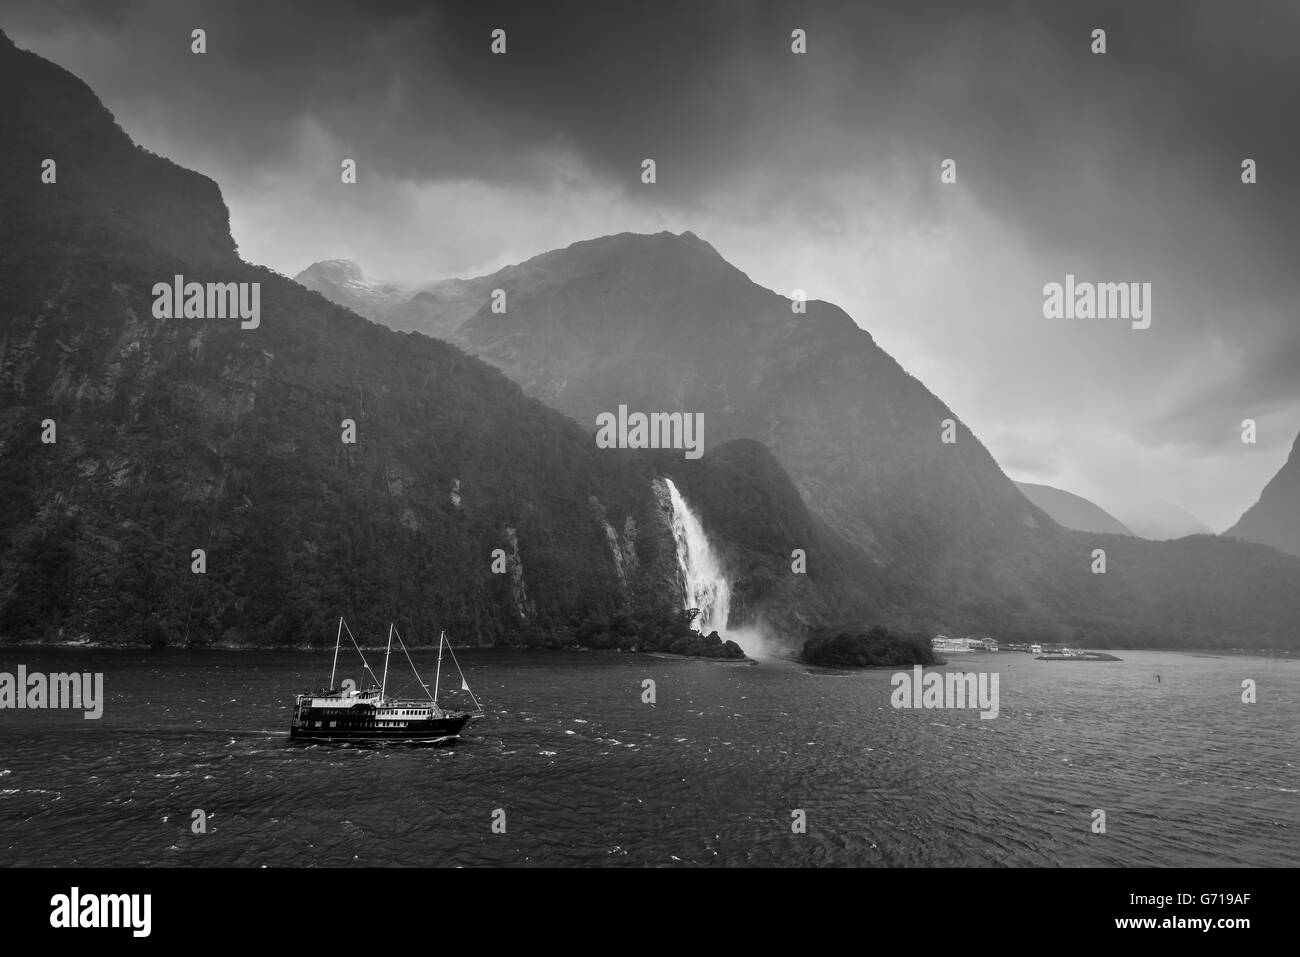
x,y
588,774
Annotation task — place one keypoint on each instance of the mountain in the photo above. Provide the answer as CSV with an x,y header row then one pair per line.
x,y
177,435
1162,521
437,309
1275,519
1072,511
663,322
343,282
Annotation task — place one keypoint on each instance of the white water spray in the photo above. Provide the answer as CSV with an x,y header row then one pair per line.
x,y
705,587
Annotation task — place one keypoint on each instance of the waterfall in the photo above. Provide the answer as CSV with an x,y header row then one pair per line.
x,y
704,586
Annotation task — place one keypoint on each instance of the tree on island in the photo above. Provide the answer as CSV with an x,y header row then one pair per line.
x,y
850,646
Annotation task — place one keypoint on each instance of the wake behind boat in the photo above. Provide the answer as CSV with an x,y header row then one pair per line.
x,y
369,715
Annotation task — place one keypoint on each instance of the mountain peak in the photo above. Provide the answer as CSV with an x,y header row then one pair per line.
x,y
346,283
1275,519
335,269
629,243
686,236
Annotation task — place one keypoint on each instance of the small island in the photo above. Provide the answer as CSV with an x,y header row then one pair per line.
x,y
850,646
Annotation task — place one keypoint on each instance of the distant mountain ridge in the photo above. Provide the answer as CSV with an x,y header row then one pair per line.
x,y
342,281
1274,520
435,310
1072,511
1162,521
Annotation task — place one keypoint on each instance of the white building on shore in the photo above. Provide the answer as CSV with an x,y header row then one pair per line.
x,y
944,643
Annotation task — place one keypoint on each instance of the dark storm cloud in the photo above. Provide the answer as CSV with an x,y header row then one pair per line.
x,y
709,88
415,84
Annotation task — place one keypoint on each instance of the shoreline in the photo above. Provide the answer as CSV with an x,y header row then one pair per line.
x,y
329,649
91,645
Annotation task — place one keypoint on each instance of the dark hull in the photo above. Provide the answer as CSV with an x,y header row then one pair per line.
x,y
416,732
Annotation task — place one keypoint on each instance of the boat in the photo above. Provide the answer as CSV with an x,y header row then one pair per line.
x,y
1067,655
344,713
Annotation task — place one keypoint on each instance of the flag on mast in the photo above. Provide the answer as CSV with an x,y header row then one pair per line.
x,y
464,685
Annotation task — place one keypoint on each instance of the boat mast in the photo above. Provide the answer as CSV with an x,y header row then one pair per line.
x,y
383,687
438,674
336,653
364,664
463,683
423,684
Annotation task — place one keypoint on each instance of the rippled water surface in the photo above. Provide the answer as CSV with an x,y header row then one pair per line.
x,y
588,774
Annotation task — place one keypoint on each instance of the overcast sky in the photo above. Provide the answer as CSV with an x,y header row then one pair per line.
x,y
817,171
